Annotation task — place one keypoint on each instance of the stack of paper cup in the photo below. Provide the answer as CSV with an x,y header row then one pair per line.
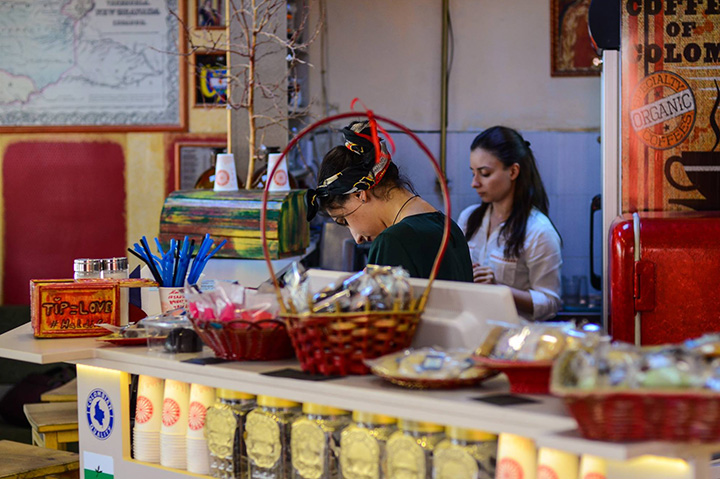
x,y
148,419
174,424
592,467
225,173
281,179
556,464
516,457
198,455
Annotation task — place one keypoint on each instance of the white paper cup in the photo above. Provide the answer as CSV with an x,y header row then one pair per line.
x,y
171,298
281,178
146,446
175,408
201,398
198,456
517,457
557,464
592,467
148,406
225,173
173,451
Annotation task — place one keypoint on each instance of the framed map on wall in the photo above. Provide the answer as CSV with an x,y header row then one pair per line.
x,y
87,65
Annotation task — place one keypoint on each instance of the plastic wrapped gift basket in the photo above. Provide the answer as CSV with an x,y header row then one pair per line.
x,y
236,328
430,368
338,343
667,394
525,351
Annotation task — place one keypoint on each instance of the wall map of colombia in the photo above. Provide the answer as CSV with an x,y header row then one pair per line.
x,y
89,62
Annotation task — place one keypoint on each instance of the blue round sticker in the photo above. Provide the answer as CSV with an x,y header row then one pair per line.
x,y
100,414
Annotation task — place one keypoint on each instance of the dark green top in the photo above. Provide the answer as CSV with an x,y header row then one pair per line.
x,y
413,244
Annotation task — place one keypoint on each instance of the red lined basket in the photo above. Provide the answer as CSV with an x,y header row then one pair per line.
x,y
333,344
645,415
263,340
528,377
339,343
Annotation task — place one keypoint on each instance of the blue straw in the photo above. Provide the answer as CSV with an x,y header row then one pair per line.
x,y
204,246
204,260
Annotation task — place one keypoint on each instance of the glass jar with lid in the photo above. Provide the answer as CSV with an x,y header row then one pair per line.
x,y
115,268
267,440
225,428
362,445
409,450
315,442
87,268
465,454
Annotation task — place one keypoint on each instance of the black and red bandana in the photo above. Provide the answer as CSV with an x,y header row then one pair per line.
x,y
360,177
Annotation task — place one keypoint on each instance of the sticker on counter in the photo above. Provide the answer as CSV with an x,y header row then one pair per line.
x,y
100,414
98,466
662,110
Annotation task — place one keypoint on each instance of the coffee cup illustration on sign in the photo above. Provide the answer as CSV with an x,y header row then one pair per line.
x,y
703,170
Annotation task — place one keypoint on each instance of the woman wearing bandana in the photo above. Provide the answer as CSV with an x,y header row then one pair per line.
x,y
363,191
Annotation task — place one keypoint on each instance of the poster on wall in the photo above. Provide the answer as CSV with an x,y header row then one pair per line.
x,y
80,64
571,49
670,97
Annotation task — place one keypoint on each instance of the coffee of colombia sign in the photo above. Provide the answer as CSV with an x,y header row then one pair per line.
x,y
670,62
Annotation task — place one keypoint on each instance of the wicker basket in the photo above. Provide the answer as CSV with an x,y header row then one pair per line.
x,y
263,340
526,377
645,415
338,343
429,383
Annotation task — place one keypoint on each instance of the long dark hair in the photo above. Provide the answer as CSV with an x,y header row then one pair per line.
x,y
509,147
340,158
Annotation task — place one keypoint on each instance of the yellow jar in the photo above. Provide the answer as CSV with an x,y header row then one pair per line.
x,y
362,445
315,441
268,437
225,427
465,454
409,450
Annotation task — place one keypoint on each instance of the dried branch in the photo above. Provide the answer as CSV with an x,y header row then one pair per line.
x,y
256,37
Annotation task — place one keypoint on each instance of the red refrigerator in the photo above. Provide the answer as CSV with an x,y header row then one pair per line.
x,y
664,270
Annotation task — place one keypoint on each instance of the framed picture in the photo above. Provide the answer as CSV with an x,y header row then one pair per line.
x,y
210,79
210,13
119,68
571,49
189,156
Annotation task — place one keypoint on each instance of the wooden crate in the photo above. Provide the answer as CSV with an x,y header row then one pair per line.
x,y
235,216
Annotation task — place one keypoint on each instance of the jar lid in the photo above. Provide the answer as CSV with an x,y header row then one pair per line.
x,y
115,264
419,426
87,264
270,401
361,416
230,394
462,433
319,409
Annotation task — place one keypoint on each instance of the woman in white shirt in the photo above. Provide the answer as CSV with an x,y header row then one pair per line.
x,y
512,241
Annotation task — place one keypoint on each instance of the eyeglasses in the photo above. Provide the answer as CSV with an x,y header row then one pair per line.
x,y
341,219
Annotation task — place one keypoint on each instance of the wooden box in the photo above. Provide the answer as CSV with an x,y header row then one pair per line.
x,y
65,308
235,216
